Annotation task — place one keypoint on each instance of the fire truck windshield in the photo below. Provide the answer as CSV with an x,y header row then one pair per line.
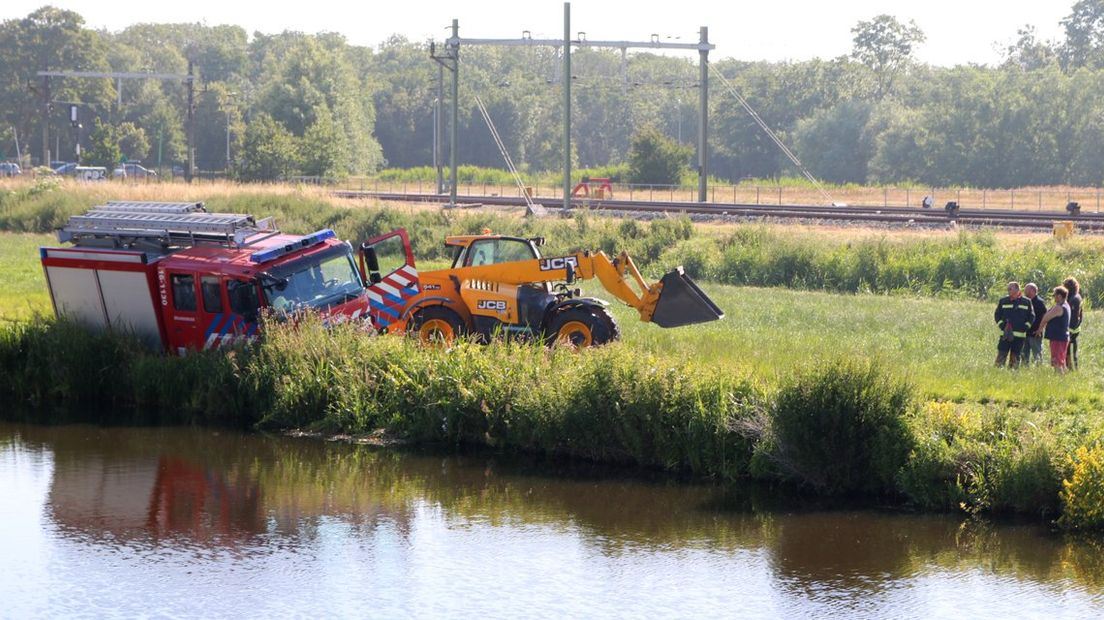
x,y
319,281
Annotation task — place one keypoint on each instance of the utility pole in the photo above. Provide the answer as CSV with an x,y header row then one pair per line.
x,y
454,47
567,108
229,97
46,119
227,165
439,128
118,77
703,47
189,165
449,60
703,122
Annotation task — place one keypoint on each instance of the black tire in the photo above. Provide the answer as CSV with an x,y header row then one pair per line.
x,y
606,316
582,326
437,325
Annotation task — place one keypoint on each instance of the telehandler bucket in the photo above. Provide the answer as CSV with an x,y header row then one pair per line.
x,y
681,302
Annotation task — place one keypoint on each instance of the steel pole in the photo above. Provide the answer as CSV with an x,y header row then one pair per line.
x,y
567,107
455,48
46,120
438,118
189,165
703,122
227,165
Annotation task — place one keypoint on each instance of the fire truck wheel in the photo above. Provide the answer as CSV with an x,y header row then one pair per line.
x,y
582,327
437,325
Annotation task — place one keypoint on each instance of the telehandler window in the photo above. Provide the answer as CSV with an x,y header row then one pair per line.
x,y
494,251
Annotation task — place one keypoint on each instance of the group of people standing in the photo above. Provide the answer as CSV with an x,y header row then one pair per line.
x,y
1025,321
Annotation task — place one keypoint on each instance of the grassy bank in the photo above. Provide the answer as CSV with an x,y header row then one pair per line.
x,y
945,346
958,265
918,414
841,427
22,284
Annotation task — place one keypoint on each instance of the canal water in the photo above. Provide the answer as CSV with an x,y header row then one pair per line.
x,y
197,523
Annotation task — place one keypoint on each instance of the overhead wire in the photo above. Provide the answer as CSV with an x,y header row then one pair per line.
x,y
534,208
531,207
773,136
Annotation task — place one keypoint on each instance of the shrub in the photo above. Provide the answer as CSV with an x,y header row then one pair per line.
x,y
841,428
1082,493
985,458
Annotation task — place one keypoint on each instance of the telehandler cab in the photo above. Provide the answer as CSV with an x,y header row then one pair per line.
x,y
501,284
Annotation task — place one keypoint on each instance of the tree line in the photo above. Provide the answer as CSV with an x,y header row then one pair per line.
x,y
314,104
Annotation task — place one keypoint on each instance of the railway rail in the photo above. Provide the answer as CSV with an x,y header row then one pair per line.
x,y
1086,221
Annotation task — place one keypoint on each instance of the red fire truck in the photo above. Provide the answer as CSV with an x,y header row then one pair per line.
x,y
182,279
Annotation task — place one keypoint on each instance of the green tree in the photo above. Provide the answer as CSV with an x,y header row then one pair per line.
x,y
1084,44
898,151
312,73
269,152
1029,53
655,159
132,141
837,143
323,147
217,108
165,129
103,146
885,45
48,38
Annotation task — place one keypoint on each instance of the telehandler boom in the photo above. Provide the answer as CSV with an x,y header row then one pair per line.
x,y
502,284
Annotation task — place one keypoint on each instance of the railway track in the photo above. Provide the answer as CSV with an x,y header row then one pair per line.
x,y
903,215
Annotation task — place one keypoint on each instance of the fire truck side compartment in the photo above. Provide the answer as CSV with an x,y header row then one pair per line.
x,y
104,290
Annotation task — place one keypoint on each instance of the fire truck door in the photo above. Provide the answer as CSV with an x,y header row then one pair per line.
x,y
388,265
182,312
245,307
214,319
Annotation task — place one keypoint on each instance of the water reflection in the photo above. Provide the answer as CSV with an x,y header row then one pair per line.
x,y
227,497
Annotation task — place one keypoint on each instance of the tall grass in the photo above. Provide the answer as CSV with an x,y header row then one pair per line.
x,y
965,265
609,405
844,427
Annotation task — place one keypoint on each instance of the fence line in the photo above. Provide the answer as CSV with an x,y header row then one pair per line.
x,y
1042,199
1022,199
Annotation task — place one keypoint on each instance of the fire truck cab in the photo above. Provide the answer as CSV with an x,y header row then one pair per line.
x,y
180,278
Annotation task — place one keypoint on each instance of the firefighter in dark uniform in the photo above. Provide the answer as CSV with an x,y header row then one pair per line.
x,y
1033,348
1014,317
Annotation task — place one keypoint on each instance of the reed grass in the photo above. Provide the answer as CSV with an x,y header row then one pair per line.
x,y
967,265
615,404
703,399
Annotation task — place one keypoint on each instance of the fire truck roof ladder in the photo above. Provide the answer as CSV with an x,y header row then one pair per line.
x,y
133,206
103,225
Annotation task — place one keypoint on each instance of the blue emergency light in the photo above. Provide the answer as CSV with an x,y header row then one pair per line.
x,y
303,242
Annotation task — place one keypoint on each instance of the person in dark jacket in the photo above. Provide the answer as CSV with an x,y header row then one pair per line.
x,y
1033,348
1076,314
1014,316
1055,328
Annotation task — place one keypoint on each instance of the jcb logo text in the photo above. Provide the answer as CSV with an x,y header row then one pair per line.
x,y
552,264
490,304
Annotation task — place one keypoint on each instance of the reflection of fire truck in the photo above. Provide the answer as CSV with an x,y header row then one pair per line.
x,y
181,278
188,497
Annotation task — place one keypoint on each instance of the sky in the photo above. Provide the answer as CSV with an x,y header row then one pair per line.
x,y
958,31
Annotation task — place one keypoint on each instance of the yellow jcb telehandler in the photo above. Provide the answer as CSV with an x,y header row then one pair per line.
x,y
502,285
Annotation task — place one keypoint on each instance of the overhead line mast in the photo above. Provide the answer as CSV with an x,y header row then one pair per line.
x,y
703,46
188,79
